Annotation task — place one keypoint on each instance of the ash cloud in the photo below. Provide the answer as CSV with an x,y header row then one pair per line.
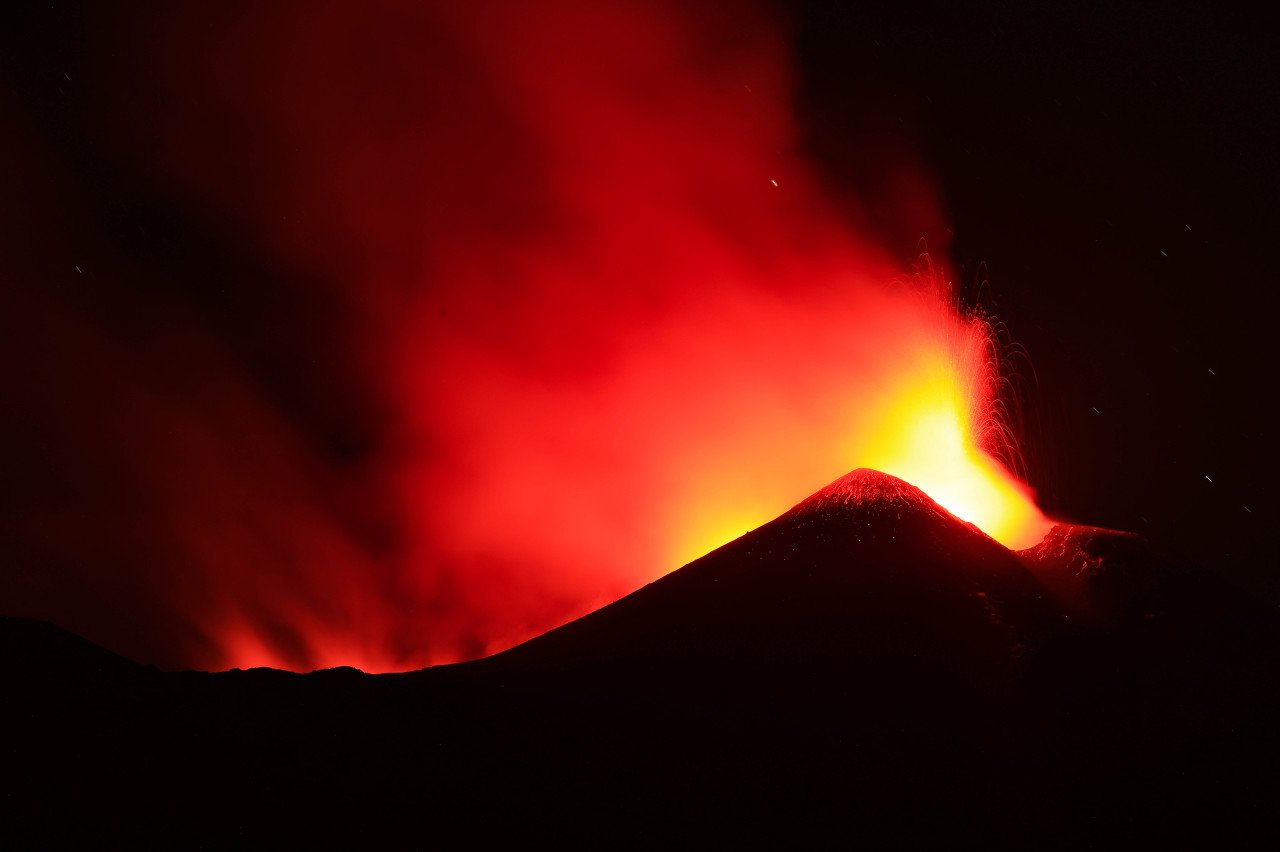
x,y
400,338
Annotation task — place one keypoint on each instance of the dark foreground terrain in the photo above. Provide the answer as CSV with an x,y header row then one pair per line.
x,y
865,669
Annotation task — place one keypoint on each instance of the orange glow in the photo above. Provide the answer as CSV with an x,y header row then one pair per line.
x,y
927,437
914,398
564,306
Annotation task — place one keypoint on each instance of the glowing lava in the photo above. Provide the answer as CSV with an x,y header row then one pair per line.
x,y
915,397
928,437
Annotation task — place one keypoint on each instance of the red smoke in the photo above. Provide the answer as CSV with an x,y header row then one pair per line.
x,y
561,265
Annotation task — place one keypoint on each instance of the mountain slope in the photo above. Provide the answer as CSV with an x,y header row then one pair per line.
x,y
864,669
867,567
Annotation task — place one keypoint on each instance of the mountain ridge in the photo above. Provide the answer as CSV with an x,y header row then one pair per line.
x,y
864,667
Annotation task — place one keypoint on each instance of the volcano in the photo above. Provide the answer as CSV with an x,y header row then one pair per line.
x,y
865,667
867,568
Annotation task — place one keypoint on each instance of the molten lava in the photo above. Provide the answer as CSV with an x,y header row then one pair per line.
x,y
930,434
922,408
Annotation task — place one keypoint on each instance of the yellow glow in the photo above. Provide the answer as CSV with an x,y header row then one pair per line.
x,y
717,530
919,421
925,437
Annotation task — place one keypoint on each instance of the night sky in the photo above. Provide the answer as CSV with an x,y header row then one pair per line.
x,y
214,217
1111,170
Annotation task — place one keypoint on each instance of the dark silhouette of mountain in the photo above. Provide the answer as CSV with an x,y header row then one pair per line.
x,y
37,649
869,568
865,668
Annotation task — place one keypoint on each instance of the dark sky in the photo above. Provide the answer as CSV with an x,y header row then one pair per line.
x,y
1112,171
1108,178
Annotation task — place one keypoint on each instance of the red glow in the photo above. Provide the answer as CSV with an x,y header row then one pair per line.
x,y
604,314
